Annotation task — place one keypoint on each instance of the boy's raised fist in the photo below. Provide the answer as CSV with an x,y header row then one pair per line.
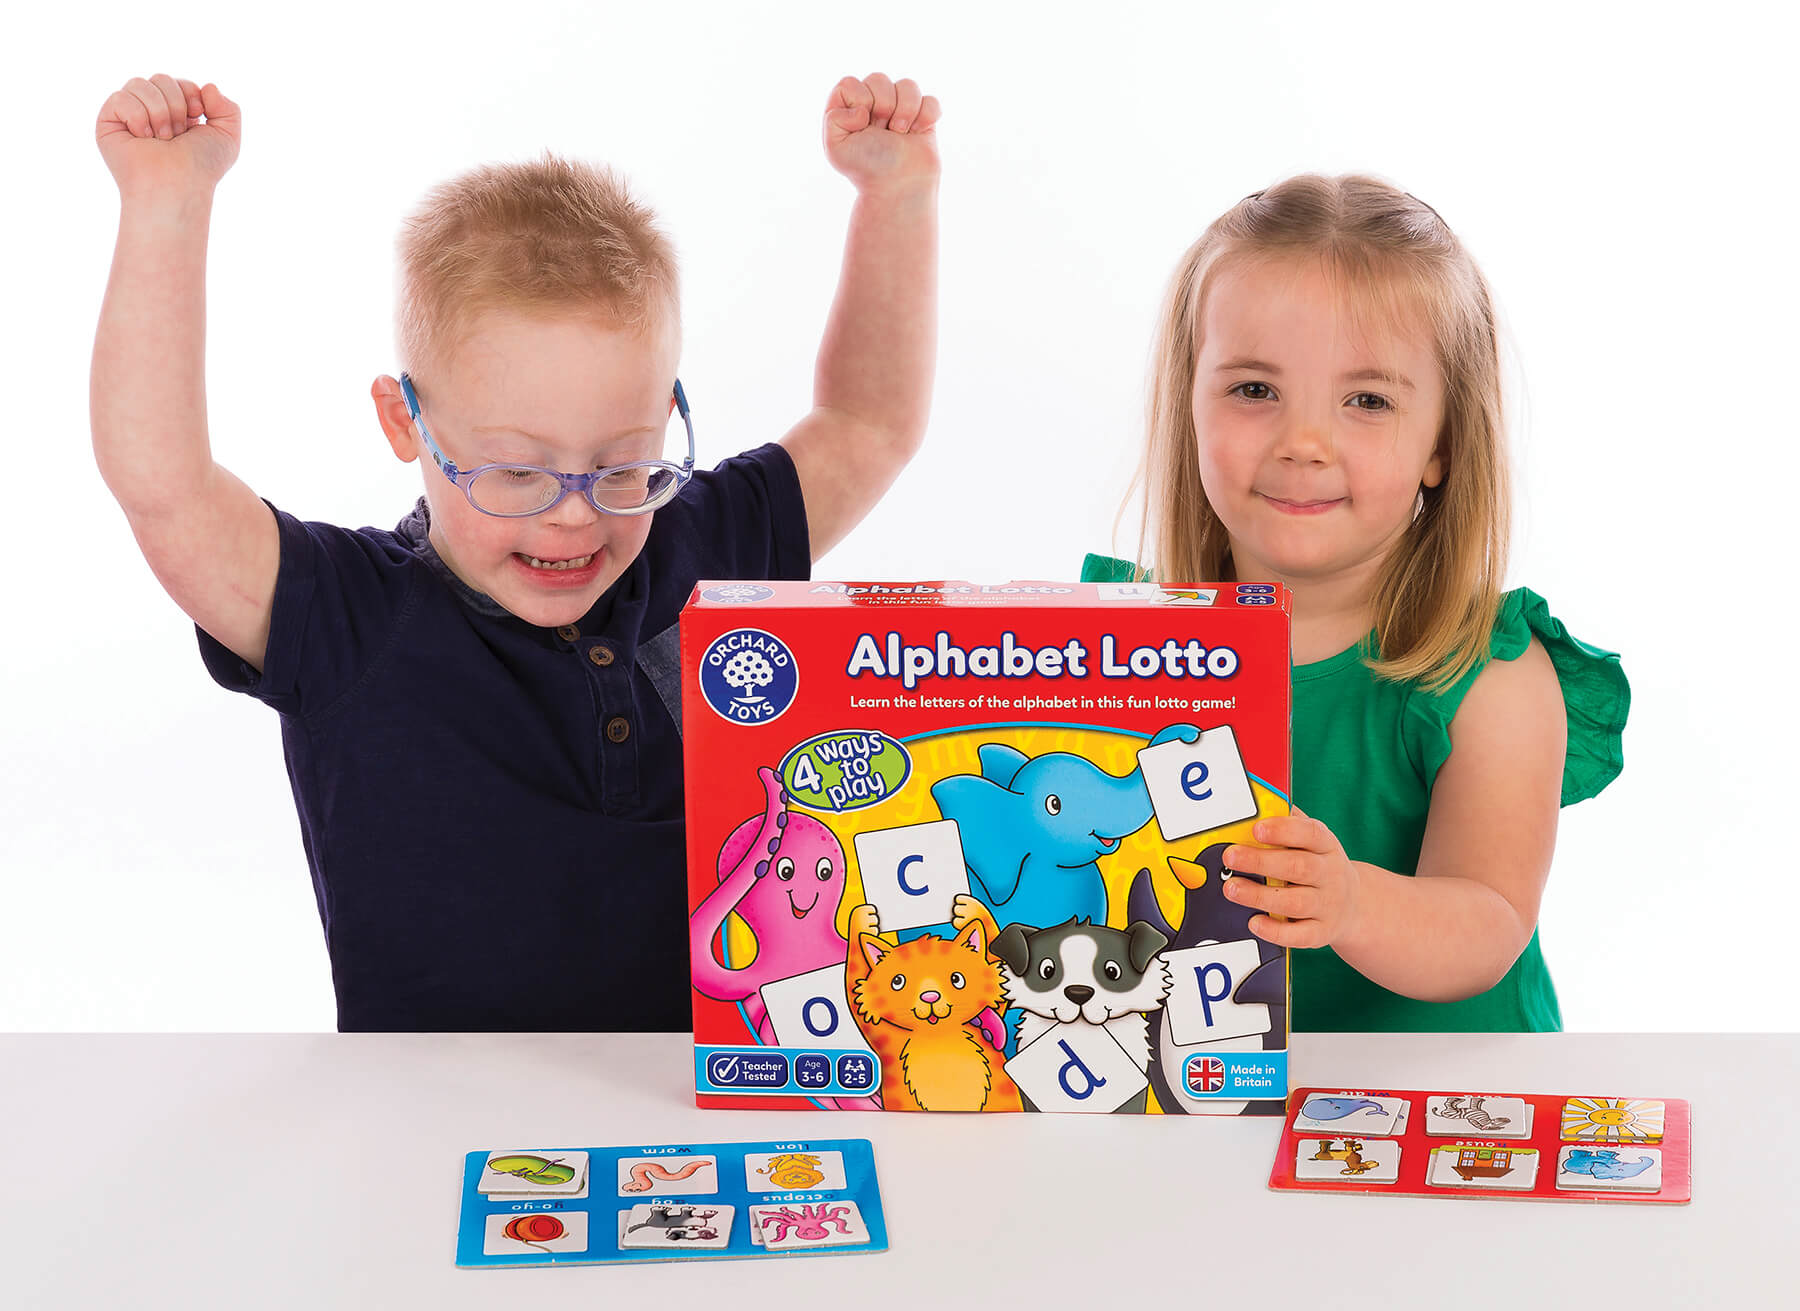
x,y
163,132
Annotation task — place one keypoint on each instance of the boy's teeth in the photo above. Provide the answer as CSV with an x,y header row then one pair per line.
x,y
579,563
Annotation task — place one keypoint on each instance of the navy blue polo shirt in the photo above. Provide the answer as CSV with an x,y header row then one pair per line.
x,y
492,811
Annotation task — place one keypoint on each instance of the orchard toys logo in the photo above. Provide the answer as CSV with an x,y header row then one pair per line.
x,y
738,593
749,676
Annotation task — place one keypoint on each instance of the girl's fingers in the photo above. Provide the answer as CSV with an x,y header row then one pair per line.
x,y
906,105
1288,933
1272,863
1296,901
1296,830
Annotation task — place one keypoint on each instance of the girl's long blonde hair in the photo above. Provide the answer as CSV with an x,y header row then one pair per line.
x,y
1439,590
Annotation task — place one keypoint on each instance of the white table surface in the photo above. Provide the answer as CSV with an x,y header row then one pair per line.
x,y
323,1171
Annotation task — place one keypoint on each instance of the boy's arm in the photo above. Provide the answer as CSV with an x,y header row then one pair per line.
x,y
210,541
872,382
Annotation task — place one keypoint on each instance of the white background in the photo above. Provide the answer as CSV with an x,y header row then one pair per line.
x,y
1625,183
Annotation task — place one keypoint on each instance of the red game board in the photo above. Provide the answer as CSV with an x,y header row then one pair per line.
x,y
1532,1146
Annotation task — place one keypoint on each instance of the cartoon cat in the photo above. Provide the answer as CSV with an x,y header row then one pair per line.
x,y
916,1004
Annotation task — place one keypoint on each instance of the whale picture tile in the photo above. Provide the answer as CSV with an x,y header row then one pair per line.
x,y
1348,1113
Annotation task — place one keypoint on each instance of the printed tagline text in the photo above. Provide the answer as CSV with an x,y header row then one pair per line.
x,y
1029,702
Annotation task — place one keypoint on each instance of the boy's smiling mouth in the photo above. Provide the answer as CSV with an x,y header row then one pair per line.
x,y
571,571
579,562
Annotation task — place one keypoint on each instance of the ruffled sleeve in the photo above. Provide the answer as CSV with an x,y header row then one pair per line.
x,y
1107,569
1595,694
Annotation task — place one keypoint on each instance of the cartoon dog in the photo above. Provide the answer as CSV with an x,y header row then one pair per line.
x,y
1078,973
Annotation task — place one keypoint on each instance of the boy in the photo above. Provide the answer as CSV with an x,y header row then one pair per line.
x,y
480,709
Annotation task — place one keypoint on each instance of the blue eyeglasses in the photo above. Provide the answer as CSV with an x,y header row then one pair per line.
x,y
513,491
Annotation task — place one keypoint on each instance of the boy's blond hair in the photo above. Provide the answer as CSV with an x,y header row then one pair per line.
x,y
1397,262
550,234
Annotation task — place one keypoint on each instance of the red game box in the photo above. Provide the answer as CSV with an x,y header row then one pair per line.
x,y
956,846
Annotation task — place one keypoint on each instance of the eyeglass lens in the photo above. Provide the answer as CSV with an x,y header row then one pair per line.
x,y
525,491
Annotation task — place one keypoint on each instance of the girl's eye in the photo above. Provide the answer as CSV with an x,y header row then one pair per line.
x,y
956,980
784,869
824,870
1381,402
1252,391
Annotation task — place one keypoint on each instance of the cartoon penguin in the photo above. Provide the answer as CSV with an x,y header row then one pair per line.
x,y
1208,917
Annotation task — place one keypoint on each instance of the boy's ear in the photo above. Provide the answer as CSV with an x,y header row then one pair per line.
x,y
395,419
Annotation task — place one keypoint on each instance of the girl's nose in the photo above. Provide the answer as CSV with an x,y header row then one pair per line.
x,y
1304,440
929,998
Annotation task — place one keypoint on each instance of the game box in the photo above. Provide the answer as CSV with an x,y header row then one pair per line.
x,y
957,846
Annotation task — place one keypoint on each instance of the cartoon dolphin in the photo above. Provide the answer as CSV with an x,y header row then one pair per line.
x,y
1605,1165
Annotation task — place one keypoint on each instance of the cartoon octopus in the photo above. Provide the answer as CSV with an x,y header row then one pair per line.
x,y
783,873
809,1222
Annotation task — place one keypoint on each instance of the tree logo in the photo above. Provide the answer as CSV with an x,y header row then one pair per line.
x,y
748,676
738,593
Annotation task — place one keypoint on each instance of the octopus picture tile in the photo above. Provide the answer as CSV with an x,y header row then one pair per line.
x,y
809,1224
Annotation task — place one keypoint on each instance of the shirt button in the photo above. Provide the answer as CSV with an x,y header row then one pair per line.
x,y
568,632
617,730
602,656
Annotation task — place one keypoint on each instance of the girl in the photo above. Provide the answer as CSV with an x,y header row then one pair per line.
x,y
1325,412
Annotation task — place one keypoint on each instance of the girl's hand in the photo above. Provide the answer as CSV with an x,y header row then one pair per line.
x,y
1320,901
151,136
879,132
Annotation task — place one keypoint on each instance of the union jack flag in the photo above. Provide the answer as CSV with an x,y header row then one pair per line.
x,y
1205,1074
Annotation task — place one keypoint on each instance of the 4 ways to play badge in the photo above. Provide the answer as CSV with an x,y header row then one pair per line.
x,y
845,770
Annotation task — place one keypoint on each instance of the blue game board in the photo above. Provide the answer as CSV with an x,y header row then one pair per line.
x,y
670,1201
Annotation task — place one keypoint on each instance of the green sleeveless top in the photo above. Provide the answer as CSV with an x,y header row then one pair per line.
x,y
1367,751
